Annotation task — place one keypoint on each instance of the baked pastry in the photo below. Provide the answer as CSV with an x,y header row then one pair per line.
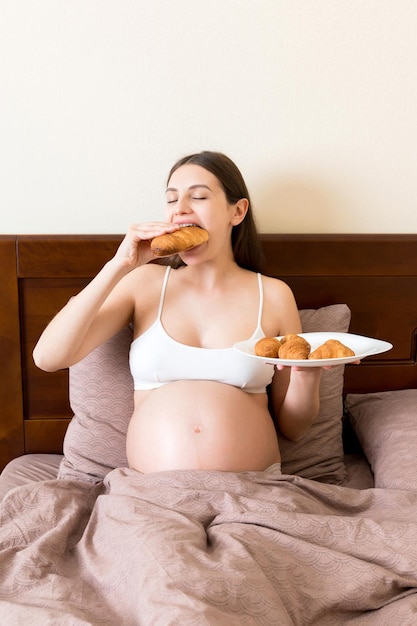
x,y
293,337
268,347
331,349
294,347
185,238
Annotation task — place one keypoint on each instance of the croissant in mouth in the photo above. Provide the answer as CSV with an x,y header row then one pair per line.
x,y
185,238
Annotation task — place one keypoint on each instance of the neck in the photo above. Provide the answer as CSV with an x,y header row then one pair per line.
x,y
213,275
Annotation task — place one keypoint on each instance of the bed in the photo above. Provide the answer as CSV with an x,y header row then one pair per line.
x,y
86,540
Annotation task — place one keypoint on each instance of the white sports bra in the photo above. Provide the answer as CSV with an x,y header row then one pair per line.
x,y
157,359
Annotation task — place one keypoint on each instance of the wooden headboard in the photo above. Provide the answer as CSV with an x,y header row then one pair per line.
x,y
376,275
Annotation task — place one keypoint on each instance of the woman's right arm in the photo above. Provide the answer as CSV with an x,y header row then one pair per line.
x,y
102,308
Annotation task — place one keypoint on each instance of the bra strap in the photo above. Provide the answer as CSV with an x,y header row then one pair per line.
x,y
164,287
261,300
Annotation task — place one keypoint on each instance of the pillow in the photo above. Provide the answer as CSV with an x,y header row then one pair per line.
x,y
385,424
101,397
319,454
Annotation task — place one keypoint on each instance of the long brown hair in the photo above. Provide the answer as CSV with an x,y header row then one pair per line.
x,y
246,246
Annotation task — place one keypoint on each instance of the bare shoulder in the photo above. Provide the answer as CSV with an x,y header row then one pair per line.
x,y
281,311
137,288
144,275
138,294
142,286
276,289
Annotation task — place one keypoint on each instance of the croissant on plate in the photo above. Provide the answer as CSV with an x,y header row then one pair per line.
x,y
294,347
268,347
185,238
331,349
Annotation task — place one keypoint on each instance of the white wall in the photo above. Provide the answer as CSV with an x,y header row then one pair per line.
x,y
315,100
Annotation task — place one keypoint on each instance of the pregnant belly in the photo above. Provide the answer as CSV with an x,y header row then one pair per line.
x,y
201,425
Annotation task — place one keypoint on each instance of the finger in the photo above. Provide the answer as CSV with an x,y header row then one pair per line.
x,y
150,230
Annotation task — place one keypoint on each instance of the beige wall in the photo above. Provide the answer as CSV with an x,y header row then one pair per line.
x,y
316,101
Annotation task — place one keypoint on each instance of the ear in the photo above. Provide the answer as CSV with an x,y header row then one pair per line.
x,y
239,211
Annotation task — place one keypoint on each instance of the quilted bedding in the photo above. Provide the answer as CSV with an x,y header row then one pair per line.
x,y
207,548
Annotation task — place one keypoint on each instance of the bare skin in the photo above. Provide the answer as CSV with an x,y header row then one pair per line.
x,y
209,303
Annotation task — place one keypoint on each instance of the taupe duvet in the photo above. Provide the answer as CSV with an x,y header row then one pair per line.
x,y
207,548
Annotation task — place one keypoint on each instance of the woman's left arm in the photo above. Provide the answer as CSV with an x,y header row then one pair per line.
x,y
295,399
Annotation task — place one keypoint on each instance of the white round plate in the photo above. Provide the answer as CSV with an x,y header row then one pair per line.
x,y
362,347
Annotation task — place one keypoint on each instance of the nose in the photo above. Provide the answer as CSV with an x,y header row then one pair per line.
x,y
182,205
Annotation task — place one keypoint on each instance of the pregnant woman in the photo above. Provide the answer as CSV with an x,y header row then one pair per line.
x,y
199,404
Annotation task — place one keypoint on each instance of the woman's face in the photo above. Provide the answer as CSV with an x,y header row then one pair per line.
x,y
195,196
